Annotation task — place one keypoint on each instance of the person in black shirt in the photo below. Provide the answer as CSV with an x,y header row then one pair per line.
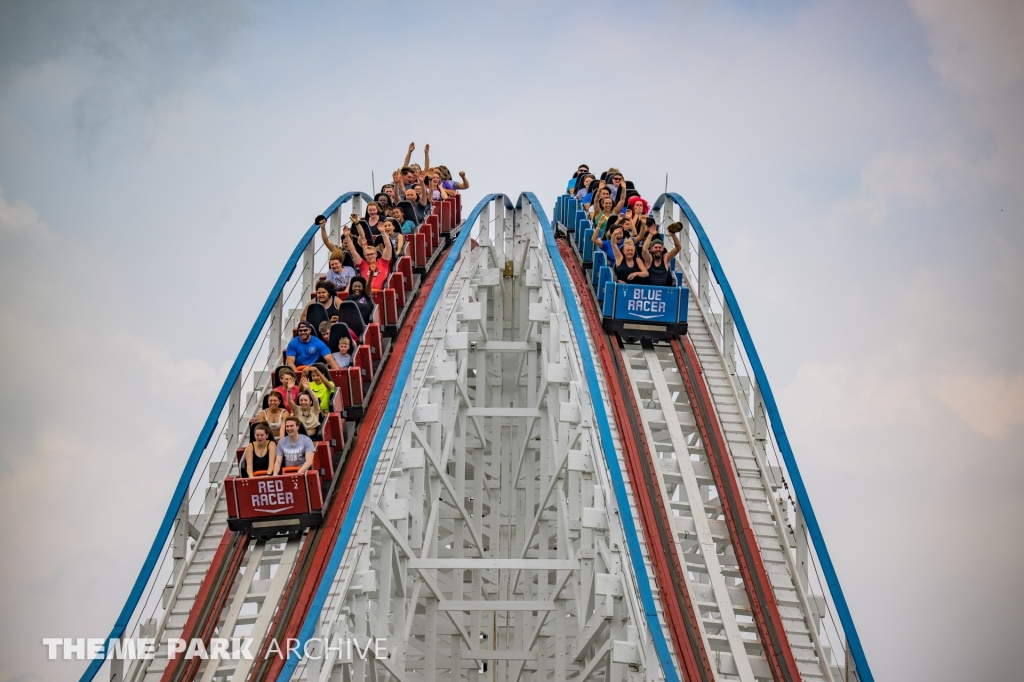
x,y
628,268
327,296
657,260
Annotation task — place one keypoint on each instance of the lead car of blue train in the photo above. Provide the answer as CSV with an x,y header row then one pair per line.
x,y
633,311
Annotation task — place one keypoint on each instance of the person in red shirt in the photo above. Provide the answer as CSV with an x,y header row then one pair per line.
x,y
374,267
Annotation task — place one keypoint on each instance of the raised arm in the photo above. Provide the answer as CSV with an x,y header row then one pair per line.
x,y
675,249
620,199
426,156
388,252
463,184
615,246
648,258
356,258
326,240
408,154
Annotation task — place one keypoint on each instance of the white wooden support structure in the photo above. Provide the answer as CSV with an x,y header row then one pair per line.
x,y
489,546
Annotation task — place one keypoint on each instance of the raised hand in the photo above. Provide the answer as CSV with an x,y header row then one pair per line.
x,y
412,147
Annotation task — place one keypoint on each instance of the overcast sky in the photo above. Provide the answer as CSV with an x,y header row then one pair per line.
x,y
859,167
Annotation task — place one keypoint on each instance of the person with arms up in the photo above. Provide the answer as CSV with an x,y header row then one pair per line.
x,y
307,410
628,268
374,267
657,260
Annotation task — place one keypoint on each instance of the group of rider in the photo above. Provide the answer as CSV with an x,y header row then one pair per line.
x,y
358,266
623,229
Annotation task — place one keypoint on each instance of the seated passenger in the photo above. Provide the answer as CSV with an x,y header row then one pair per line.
x,y
436,191
289,388
389,189
317,379
357,294
406,226
446,180
418,197
274,413
307,348
657,260
327,296
618,186
307,411
639,206
295,449
343,356
571,188
261,458
338,273
600,219
584,193
391,229
368,227
628,268
404,178
612,233
374,267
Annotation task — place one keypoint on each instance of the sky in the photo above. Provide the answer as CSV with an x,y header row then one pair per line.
x,y
858,166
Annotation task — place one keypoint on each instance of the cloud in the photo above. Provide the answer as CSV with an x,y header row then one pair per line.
x,y
20,220
98,418
126,58
976,47
989,404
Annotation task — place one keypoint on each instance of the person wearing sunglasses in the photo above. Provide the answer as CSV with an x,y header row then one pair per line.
x,y
307,348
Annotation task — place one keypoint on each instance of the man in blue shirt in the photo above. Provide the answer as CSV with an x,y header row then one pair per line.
x,y
305,349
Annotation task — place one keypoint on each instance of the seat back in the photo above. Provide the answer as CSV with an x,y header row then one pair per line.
x,y
315,314
340,330
348,313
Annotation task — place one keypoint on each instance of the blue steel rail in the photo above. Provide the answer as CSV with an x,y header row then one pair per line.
x,y
163,533
775,419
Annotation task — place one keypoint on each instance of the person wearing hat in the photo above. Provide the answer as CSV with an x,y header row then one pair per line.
x,y
657,260
307,348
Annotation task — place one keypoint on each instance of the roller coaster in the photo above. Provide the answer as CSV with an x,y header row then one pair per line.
x,y
530,471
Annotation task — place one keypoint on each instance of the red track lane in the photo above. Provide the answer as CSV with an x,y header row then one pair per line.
x,y
755,578
340,502
657,522
213,594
